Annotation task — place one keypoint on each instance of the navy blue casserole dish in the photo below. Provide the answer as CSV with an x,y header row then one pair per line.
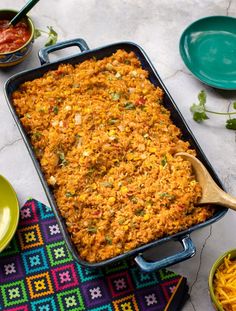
x,y
85,53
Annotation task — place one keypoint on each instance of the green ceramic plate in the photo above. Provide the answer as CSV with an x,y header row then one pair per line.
x,y
208,49
9,212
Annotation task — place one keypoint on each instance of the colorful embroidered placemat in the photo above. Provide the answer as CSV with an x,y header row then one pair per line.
x,y
38,273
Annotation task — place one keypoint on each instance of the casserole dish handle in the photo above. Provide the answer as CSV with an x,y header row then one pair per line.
x,y
189,250
43,53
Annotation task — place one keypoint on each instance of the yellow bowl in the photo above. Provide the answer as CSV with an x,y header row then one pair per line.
x,y
9,213
15,57
215,266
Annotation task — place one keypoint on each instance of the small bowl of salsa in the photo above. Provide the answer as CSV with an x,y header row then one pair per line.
x,y
16,42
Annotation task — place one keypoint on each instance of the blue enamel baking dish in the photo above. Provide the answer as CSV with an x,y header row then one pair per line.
x,y
188,248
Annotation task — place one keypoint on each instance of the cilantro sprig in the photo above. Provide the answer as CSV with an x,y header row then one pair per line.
x,y
200,112
51,33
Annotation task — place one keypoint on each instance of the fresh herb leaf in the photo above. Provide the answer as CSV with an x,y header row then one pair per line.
x,y
112,121
106,184
51,33
108,239
202,98
121,221
139,212
129,106
115,96
167,195
91,170
36,135
199,112
62,159
55,109
69,194
133,199
163,194
52,36
164,160
231,124
77,136
92,229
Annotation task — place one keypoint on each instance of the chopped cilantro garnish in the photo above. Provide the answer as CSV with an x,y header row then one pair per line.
x,y
62,159
129,106
121,221
139,212
112,121
167,195
164,161
108,239
134,199
92,229
36,135
69,194
115,96
55,109
78,136
127,62
106,184
91,170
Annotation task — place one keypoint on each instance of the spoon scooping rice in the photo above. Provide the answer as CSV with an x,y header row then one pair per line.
x,y
211,192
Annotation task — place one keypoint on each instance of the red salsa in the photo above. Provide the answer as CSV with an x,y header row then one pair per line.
x,y
13,37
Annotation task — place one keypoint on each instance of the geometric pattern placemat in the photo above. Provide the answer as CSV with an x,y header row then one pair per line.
x,y
38,273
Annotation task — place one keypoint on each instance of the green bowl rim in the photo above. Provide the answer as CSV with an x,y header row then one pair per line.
x,y
214,267
32,28
17,216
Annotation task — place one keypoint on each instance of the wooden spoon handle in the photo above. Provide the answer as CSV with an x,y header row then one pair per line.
x,y
217,196
211,192
227,200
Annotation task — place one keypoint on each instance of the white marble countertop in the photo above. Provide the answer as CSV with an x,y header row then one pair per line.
x,y
156,26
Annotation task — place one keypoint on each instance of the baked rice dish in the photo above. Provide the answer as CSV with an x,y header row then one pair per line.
x,y
106,146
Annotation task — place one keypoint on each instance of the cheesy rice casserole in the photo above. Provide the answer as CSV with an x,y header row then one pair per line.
x,y
106,146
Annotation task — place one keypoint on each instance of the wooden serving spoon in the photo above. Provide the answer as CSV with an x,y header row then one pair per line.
x,y
211,192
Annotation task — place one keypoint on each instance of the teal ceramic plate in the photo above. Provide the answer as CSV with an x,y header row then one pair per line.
x,y
208,49
9,212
